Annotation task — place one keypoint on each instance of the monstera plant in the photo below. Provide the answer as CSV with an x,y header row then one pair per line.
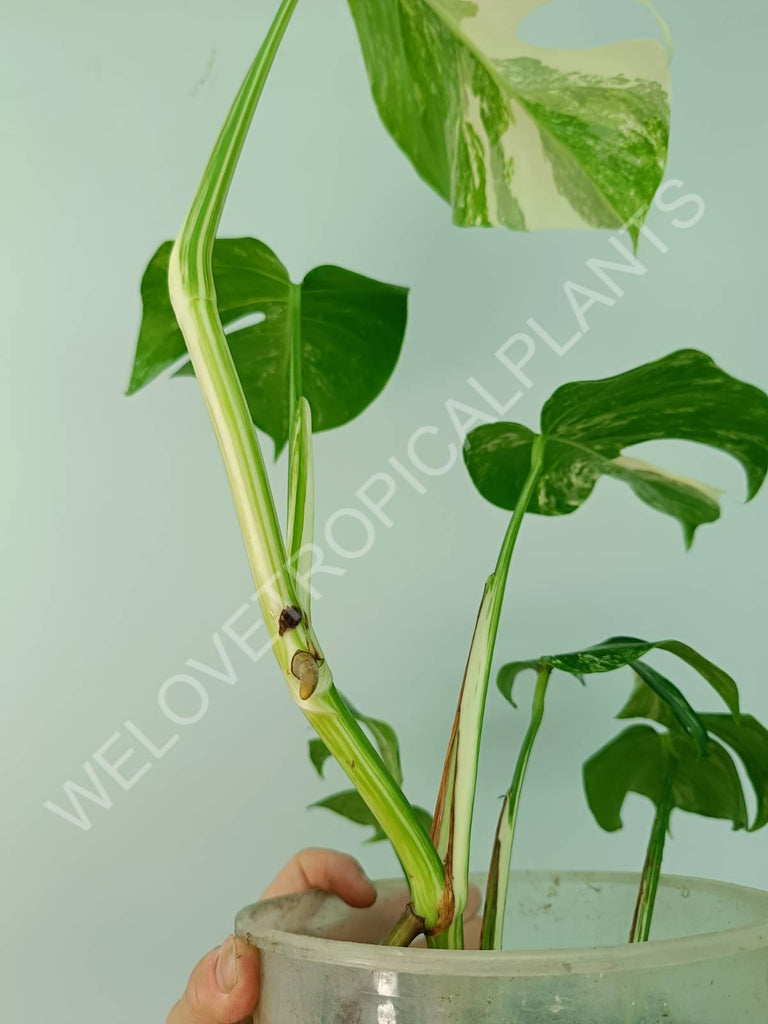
x,y
513,135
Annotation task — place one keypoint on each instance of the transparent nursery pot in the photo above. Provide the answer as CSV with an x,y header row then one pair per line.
x,y
568,961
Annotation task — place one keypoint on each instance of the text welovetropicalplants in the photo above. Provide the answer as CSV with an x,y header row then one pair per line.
x,y
510,135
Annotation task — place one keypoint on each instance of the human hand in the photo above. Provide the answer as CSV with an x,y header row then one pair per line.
x,y
224,986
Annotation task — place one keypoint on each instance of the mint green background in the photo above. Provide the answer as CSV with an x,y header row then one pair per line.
x,y
120,550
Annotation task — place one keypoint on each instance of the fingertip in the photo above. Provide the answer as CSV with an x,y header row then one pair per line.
x,y
241,999
353,885
365,894
223,988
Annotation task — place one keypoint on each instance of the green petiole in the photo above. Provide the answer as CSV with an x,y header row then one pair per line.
x,y
453,815
306,672
649,882
498,875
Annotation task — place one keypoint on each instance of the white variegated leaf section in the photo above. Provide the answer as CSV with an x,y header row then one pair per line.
x,y
514,134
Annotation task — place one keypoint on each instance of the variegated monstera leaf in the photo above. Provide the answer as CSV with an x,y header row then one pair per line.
x,y
513,134
587,425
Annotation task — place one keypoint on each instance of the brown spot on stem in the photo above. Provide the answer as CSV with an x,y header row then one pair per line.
x,y
290,617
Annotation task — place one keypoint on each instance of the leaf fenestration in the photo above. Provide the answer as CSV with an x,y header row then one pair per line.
x,y
588,425
351,327
640,759
742,734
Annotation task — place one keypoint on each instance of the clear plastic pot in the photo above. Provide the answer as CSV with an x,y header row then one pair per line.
x,y
568,961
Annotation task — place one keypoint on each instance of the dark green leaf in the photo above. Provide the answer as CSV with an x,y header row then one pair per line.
x,y
349,804
682,711
384,737
508,674
510,133
351,330
719,680
318,755
742,733
619,651
643,704
425,817
587,426
639,760
646,703
749,739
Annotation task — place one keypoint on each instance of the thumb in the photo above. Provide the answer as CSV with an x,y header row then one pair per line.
x,y
222,989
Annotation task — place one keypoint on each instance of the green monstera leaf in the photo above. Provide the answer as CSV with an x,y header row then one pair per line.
x,y
642,760
742,734
668,767
343,332
618,652
587,425
513,134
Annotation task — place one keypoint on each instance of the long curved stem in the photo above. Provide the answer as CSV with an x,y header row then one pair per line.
x,y
649,882
498,875
452,828
306,672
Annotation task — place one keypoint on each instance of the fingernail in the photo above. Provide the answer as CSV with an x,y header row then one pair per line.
x,y
226,966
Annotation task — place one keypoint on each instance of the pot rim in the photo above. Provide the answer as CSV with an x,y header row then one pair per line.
x,y
515,963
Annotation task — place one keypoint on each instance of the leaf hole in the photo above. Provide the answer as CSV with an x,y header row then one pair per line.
x,y
241,322
568,25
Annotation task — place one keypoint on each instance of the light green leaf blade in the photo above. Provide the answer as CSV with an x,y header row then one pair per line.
x,y
690,502
587,426
639,760
352,329
513,134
